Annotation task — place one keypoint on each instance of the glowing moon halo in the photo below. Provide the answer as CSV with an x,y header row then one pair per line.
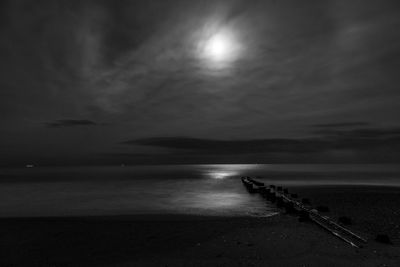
x,y
220,49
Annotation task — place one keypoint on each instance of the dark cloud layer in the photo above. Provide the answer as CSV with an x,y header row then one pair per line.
x,y
334,145
309,74
362,139
341,125
70,123
231,146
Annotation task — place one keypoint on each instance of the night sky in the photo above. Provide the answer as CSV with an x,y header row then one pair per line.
x,y
111,82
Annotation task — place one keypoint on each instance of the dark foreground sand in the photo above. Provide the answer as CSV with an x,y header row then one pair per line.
x,y
175,240
373,209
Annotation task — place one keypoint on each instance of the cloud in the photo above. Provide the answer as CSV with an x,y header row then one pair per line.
x,y
70,123
348,145
323,66
341,125
371,134
233,146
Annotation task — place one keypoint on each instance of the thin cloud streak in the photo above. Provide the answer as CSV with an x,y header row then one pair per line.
x,y
70,123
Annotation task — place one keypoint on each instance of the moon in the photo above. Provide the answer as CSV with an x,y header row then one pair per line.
x,y
220,49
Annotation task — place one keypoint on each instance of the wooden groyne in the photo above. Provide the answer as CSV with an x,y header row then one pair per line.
x,y
281,197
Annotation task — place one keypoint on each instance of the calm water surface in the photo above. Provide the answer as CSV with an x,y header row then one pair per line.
x,y
183,189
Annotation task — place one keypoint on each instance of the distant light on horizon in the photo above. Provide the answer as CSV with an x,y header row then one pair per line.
x,y
222,171
221,174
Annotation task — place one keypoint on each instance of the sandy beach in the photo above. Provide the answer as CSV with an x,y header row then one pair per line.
x,y
372,209
175,240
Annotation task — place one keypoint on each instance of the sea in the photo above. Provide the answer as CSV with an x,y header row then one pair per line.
x,y
207,189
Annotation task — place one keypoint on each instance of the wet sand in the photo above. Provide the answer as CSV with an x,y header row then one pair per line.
x,y
175,240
